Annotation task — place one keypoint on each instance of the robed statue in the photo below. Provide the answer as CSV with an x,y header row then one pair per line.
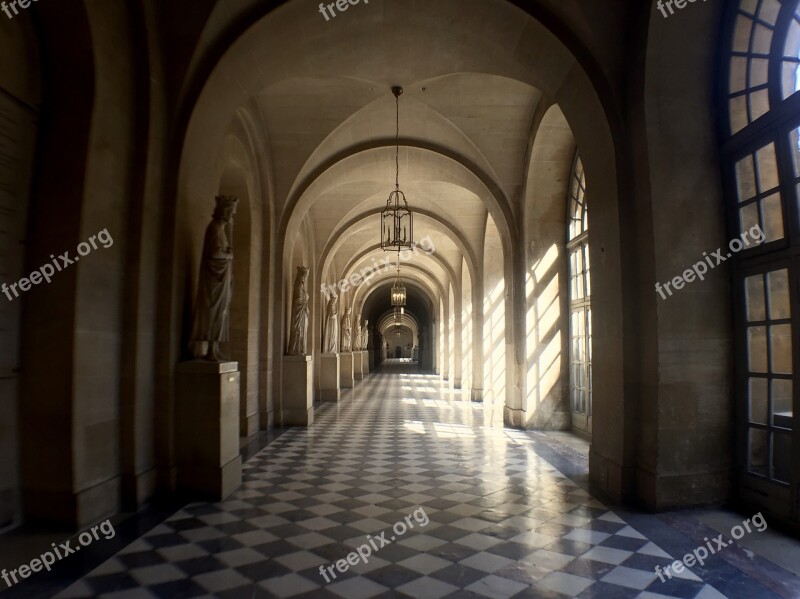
x,y
365,336
347,331
299,326
330,340
215,288
357,335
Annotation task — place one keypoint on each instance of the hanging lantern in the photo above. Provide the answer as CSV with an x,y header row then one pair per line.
x,y
397,221
398,291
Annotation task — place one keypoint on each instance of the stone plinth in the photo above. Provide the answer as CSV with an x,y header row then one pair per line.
x,y
207,429
329,377
365,363
358,367
346,378
297,392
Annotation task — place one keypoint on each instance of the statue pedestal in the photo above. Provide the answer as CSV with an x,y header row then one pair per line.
x,y
329,377
207,429
364,362
297,392
358,367
346,378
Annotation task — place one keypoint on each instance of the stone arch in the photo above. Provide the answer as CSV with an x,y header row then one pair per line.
x,y
567,75
546,275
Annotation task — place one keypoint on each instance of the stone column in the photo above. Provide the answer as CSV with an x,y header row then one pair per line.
x,y
457,332
476,394
207,432
297,391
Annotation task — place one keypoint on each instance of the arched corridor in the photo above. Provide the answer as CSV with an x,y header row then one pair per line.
x,y
559,237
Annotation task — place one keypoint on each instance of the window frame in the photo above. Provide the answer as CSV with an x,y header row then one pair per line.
x,y
581,420
783,116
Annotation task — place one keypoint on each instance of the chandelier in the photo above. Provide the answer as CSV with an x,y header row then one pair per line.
x,y
397,222
398,313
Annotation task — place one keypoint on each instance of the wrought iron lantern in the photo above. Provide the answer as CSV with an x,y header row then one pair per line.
x,y
397,220
398,291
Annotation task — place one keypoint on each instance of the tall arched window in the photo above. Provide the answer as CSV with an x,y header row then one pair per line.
x,y
580,307
761,151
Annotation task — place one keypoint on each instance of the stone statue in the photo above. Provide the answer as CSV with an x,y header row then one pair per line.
x,y
365,336
330,340
215,287
347,331
357,335
299,327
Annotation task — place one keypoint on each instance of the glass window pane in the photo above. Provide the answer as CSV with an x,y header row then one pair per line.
x,y
779,294
781,346
758,451
769,11
746,178
741,34
792,47
738,81
589,330
738,110
749,6
759,104
795,144
588,283
754,296
781,457
789,78
782,408
759,71
767,168
748,216
762,38
773,217
757,349
791,51
759,400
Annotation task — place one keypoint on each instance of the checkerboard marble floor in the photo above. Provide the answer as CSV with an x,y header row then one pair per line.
x,y
503,522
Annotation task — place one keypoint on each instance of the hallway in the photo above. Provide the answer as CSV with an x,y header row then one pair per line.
x,y
503,520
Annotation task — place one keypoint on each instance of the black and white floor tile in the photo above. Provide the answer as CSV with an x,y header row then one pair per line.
x,y
503,521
